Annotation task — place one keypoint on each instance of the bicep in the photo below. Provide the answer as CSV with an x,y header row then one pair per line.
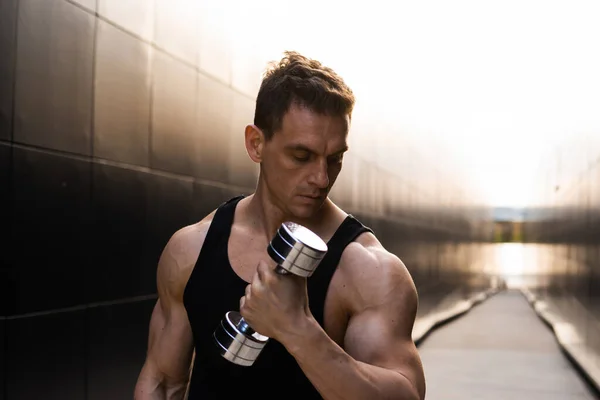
x,y
382,336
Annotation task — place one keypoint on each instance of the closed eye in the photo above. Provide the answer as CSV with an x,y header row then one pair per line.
x,y
336,159
302,156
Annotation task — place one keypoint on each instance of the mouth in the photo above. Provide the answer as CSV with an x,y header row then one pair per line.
x,y
314,198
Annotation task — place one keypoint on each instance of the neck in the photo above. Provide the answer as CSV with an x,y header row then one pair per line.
x,y
267,215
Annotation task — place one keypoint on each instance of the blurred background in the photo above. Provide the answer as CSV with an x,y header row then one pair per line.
x,y
475,157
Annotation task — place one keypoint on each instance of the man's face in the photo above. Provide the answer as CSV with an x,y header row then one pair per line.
x,y
302,161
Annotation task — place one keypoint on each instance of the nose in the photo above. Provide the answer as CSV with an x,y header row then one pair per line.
x,y
320,176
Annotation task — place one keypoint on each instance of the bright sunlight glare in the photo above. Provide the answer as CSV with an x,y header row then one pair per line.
x,y
491,85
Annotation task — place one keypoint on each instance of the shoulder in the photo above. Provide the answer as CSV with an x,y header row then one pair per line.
x,y
180,254
375,276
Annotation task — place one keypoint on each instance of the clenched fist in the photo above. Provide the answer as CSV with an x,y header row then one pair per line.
x,y
275,305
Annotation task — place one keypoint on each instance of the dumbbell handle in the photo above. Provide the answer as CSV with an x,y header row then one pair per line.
x,y
243,326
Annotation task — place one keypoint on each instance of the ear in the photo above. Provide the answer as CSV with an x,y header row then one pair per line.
x,y
255,141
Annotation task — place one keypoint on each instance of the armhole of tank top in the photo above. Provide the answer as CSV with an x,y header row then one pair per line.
x,y
218,226
348,232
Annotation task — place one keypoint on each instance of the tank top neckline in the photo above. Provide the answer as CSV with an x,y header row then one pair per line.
x,y
227,236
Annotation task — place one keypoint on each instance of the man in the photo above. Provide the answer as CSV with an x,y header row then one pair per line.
x,y
354,339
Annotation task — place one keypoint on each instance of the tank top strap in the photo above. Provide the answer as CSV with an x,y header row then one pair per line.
x,y
220,226
318,284
213,248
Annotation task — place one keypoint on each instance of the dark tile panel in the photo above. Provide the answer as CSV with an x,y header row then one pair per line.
x,y
3,366
170,204
207,198
116,347
46,357
53,100
173,114
242,170
120,206
212,136
122,97
5,223
51,210
8,25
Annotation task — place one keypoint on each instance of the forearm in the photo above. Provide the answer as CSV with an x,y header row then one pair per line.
x,y
338,376
154,388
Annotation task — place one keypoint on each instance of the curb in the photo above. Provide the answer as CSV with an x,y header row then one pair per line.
x,y
563,332
430,322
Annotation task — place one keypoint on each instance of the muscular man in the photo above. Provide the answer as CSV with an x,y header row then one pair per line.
x,y
342,334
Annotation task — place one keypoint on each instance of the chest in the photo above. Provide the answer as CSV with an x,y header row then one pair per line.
x,y
244,255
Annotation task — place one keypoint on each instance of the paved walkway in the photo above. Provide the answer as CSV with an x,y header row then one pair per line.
x,y
499,350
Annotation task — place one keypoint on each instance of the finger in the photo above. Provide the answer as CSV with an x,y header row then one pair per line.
x,y
242,302
248,290
263,271
256,284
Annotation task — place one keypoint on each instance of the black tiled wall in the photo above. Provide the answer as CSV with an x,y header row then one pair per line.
x,y
8,25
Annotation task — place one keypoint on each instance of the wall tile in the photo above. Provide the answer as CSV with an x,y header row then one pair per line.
x,y
173,114
211,139
51,214
53,100
46,357
122,97
3,363
6,288
177,28
242,170
8,28
89,4
136,16
215,41
120,207
170,204
116,347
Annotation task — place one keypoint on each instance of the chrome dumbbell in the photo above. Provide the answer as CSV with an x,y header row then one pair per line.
x,y
296,250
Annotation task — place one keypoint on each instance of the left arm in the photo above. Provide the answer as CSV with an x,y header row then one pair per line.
x,y
379,359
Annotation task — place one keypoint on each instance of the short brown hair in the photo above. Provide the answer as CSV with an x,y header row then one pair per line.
x,y
299,80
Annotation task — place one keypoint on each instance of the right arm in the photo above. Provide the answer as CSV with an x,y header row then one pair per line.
x,y
166,370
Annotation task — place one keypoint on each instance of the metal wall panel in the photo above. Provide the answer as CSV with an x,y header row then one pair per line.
x,y
181,38
55,57
564,229
120,221
50,229
122,97
135,16
46,357
8,25
3,361
174,92
212,135
116,348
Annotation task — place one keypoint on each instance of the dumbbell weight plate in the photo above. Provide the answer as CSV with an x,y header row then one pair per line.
x,y
236,341
296,249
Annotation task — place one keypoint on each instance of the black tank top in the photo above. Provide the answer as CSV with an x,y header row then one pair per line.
x,y
214,288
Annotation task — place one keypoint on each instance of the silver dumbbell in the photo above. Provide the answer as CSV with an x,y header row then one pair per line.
x,y
296,250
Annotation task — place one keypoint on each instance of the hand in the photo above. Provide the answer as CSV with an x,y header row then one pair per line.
x,y
275,305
